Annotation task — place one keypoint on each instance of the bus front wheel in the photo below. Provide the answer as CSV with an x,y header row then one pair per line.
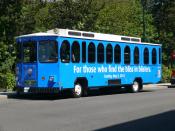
x,y
77,91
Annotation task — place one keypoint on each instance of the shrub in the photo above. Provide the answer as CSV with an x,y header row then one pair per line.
x,y
166,74
10,81
7,82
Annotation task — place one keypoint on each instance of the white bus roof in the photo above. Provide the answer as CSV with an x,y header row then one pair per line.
x,y
88,35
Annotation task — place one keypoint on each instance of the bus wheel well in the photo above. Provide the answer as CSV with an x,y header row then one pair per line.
x,y
140,81
84,83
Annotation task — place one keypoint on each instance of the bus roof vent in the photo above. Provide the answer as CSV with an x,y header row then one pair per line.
x,y
74,33
135,40
125,38
88,35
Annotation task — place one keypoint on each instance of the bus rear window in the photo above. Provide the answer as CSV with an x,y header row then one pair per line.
x,y
48,51
29,52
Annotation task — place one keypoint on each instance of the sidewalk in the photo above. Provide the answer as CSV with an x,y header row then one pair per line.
x,y
4,95
156,86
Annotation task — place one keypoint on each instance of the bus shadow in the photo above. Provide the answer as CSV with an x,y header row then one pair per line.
x,y
38,96
160,122
67,95
112,91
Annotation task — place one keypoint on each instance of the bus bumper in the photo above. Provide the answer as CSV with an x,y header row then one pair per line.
x,y
37,90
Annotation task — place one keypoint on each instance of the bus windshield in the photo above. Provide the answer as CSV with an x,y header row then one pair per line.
x,y
48,51
29,52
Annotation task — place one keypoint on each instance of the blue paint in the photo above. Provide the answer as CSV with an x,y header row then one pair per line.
x,y
97,74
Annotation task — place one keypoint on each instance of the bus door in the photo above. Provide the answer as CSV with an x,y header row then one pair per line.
x,y
26,69
48,63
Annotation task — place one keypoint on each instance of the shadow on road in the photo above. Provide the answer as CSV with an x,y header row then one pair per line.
x,y
38,96
161,122
67,95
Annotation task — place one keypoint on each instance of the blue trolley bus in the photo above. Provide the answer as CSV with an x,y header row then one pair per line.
x,y
77,60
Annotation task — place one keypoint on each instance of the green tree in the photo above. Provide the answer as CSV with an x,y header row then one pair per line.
x,y
124,18
79,14
164,17
43,18
27,20
9,12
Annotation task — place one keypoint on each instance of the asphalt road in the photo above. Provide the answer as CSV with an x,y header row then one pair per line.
x,y
150,110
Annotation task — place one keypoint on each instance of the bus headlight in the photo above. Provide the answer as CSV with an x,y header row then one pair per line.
x,y
29,71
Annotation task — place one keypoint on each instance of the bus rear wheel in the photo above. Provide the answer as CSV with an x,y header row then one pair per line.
x,y
77,91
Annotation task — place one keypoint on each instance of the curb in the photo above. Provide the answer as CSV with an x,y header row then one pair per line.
x,y
156,86
3,97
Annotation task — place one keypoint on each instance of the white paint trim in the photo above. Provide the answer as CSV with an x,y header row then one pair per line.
x,y
97,36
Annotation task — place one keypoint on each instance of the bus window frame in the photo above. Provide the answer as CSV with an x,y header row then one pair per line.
x,y
136,56
90,60
154,56
49,61
145,60
128,60
100,55
35,51
74,57
109,54
60,52
117,55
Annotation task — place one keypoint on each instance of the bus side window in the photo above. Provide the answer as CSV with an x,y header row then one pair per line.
x,y
109,53
136,55
75,52
127,55
65,52
91,53
146,56
154,56
100,53
117,54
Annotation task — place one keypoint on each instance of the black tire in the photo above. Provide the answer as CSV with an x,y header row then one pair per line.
x,y
77,91
85,92
19,93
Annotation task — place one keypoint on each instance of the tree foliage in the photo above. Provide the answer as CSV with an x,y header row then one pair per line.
x,y
121,17
71,14
125,18
164,21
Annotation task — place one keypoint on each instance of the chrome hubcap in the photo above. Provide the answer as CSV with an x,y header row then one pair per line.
x,y
135,86
77,90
